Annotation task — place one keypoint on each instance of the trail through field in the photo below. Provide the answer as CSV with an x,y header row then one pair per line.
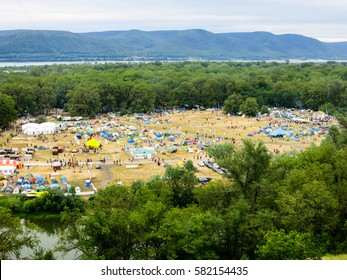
x,y
107,178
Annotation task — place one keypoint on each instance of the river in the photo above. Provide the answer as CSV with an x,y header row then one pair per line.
x,y
40,63
48,237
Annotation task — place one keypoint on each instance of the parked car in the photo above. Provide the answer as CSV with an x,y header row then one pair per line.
x,y
97,166
201,163
208,164
220,171
204,180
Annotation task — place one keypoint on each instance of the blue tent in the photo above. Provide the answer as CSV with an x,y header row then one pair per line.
x,y
54,186
131,140
277,132
290,133
25,186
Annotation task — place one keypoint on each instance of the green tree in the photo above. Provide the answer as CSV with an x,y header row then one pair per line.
x,y
328,108
84,101
311,208
8,112
142,98
181,181
107,230
41,119
190,233
211,93
13,235
41,254
245,166
232,104
186,95
250,107
265,109
280,245
189,165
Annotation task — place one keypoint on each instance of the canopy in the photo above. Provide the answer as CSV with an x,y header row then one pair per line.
x,y
93,143
278,132
11,162
43,128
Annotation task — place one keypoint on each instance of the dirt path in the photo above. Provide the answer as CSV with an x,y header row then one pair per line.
x,y
107,178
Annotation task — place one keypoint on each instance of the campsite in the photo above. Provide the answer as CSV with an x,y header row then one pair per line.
x,y
92,154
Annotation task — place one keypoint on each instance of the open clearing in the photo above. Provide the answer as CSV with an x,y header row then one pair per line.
x,y
211,126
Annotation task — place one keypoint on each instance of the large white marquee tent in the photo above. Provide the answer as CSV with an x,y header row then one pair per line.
x,y
36,129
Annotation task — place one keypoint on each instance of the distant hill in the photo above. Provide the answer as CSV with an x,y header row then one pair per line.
x,y
41,45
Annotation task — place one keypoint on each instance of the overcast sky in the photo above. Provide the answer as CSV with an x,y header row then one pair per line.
x,y
325,20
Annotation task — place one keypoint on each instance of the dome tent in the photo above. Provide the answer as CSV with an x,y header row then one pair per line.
x,y
92,143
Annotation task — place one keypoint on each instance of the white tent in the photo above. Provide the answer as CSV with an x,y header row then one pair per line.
x,y
43,128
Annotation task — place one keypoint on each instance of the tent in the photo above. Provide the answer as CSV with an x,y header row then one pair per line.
x,y
40,188
277,132
25,187
171,149
10,162
7,169
54,181
43,128
54,186
92,143
142,153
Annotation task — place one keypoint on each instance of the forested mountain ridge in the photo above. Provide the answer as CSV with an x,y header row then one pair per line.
x,y
40,45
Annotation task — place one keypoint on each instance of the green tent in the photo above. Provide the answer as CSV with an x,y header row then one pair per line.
x,y
40,188
171,149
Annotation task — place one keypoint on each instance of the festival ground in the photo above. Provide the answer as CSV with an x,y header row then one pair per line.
x,y
210,126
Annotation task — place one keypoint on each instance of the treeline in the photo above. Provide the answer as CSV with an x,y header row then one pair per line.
x,y
89,89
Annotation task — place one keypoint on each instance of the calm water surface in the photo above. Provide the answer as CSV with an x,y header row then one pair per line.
x,y
48,238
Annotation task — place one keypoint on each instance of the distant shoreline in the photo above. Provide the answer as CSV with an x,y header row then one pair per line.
x,y
41,63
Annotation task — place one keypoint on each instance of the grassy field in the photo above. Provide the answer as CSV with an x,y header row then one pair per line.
x,y
335,257
210,124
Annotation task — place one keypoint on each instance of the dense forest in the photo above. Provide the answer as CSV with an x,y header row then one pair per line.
x,y
89,89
